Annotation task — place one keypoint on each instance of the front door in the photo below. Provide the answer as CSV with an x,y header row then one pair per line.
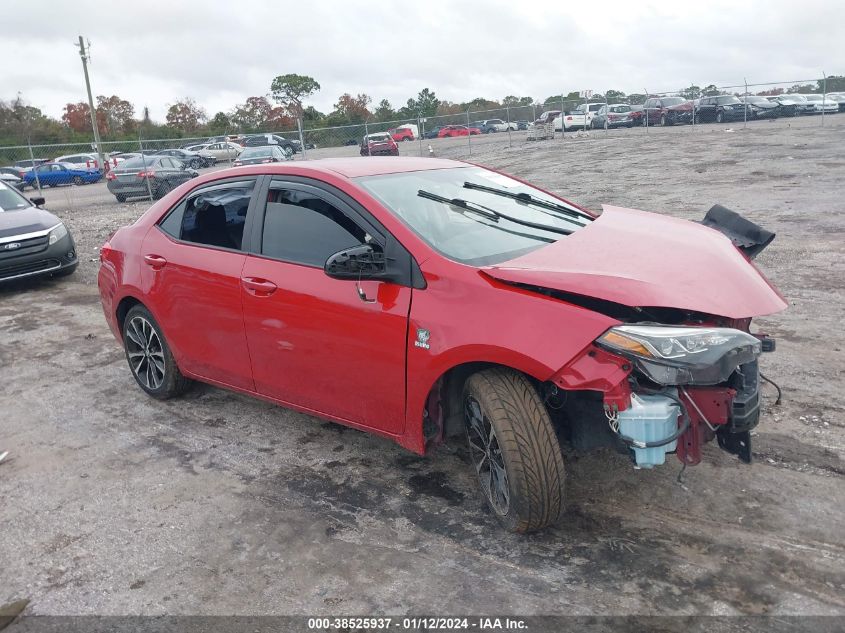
x,y
314,342
192,263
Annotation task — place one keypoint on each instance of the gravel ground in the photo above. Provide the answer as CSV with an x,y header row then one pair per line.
x,y
114,503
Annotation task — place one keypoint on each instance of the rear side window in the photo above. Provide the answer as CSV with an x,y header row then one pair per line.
x,y
303,228
212,217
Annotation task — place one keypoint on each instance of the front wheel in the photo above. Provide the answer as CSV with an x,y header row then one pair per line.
x,y
514,450
194,164
720,117
77,180
149,357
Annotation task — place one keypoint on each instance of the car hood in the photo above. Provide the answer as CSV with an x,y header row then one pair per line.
x,y
642,259
26,221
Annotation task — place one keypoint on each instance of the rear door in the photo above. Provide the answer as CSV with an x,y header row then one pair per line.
x,y
193,262
314,342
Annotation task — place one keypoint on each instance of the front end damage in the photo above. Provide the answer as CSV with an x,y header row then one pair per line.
x,y
671,383
612,396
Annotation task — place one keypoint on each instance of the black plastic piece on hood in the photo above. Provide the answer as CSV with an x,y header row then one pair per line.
x,y
746,236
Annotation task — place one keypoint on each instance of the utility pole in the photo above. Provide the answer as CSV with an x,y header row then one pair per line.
x,y
84,55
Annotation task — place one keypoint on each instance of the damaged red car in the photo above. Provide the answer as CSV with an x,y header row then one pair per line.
x,y
426,299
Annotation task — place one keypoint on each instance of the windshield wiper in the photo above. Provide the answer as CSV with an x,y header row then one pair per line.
x,y
529,199
489,213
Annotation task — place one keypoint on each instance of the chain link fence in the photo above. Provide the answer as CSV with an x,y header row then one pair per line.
x,y
458,133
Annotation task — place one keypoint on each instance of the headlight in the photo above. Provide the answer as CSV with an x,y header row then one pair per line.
x,y
682,355
57,233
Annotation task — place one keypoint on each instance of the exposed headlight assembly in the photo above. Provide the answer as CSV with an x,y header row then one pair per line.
x,y
57,233
676,355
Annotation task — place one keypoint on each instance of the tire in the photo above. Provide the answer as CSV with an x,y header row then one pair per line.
x,y
120,197
720,117
145,348
78,181
194,164
523,458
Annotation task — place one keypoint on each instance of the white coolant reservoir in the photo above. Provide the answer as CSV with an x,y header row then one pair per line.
x,y
650,418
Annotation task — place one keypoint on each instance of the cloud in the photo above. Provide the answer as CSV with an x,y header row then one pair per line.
x,y
221,52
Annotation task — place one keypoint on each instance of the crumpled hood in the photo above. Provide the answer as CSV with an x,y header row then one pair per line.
x,y
642,259
26,221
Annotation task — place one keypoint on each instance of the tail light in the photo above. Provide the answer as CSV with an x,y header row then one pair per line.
x,y
146,174
569,118
111,176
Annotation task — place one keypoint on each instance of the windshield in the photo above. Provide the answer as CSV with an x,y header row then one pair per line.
x,y
621,108
727,100
142,162
672,101
466,235
755,100
813,97
256,152
377,138
11,200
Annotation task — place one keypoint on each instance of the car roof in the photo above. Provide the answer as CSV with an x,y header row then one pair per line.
x,y
351,167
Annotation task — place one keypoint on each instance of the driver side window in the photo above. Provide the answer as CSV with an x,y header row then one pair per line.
x,y
302,228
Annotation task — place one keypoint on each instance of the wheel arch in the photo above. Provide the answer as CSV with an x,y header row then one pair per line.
x,y
442,415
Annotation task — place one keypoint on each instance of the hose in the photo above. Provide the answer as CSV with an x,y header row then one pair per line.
x,y
773,384
629,441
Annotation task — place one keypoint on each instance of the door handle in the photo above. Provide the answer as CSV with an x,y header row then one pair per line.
x,y
258,287
156,261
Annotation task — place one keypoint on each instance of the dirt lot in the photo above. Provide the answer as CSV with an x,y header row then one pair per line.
x,y
114,503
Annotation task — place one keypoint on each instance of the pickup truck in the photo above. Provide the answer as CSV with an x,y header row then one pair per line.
x,y
580,118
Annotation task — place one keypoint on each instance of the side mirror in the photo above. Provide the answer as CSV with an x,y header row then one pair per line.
x,y
38,201
358,262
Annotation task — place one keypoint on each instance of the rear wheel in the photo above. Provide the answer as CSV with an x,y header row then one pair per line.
x,y
514,450
163,189
720,117
149,357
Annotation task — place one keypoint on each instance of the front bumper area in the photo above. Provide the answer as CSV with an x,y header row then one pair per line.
x,y
35,256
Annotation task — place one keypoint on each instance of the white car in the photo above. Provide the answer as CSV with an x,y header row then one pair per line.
x,y
221,151
497,125
85,160
580,118
821,103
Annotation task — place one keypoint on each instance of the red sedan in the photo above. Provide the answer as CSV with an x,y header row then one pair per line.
x,y
457,130
425,299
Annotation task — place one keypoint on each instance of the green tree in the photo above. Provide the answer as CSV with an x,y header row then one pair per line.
x,y
384,111
636,99
312,115
801,88
516,102
251,115
353,109
290,90
114,114
693,92
614,96
710,91
424,105
219,123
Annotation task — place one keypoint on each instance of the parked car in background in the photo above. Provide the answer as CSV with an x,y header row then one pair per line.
x,y
222,151
56,174
496,125
797,104
581,118
457,130
637,115
33,241
86,159
839,98
379,144
260,140
17,172
433,132
266,154
760,107
426,300
147,175
406,132
11,179
682,113
194,160
720,108
656,109
613,115
522,124
821,103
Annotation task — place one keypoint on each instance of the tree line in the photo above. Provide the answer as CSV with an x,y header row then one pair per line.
x,y
279,110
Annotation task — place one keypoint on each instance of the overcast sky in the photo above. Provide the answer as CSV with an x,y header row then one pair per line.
x,y
153,52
